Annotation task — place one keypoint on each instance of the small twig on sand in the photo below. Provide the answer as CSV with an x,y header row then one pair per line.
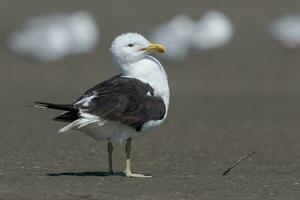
x,y
238,162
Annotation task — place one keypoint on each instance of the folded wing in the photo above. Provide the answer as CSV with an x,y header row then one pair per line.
x,y
126,100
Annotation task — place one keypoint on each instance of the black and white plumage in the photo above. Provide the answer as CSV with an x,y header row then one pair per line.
x,y
119,99
122,107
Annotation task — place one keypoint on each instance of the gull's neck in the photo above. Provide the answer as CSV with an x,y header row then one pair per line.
x,y
149,70
143,68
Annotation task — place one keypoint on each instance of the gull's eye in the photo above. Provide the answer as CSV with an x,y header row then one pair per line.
x,y
130,45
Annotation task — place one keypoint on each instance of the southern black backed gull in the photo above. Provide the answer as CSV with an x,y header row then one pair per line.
x,y
123,106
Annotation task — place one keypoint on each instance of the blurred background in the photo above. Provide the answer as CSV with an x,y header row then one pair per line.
x,y
240,96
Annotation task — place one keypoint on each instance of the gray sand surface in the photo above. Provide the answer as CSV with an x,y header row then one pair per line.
x,y
225,103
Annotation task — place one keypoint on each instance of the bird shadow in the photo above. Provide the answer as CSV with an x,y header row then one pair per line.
x,y
90,173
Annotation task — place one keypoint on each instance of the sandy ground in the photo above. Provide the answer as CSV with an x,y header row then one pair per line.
x,y
225,103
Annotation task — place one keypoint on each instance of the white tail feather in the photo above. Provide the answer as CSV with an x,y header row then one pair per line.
x,y
39,106
81,122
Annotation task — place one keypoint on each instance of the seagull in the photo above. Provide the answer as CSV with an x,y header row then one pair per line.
x,y
126,105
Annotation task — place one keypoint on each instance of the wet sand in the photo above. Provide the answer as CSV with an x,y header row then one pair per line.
x,y
225,103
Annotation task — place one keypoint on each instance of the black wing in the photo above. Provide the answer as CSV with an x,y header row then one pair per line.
x,y
121,99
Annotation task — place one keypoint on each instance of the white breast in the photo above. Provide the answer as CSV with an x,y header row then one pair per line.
x,y
149,70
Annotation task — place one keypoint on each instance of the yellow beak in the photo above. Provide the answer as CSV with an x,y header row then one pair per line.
x,y
155,48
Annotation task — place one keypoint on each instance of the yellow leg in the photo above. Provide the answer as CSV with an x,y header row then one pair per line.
x,y
110,149
128,171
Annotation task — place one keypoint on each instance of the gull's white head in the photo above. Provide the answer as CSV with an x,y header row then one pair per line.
x,y
131,47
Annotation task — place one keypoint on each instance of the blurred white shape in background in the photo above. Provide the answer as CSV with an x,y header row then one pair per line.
x,y
175,35
181,34
286,30
52,37
213,30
